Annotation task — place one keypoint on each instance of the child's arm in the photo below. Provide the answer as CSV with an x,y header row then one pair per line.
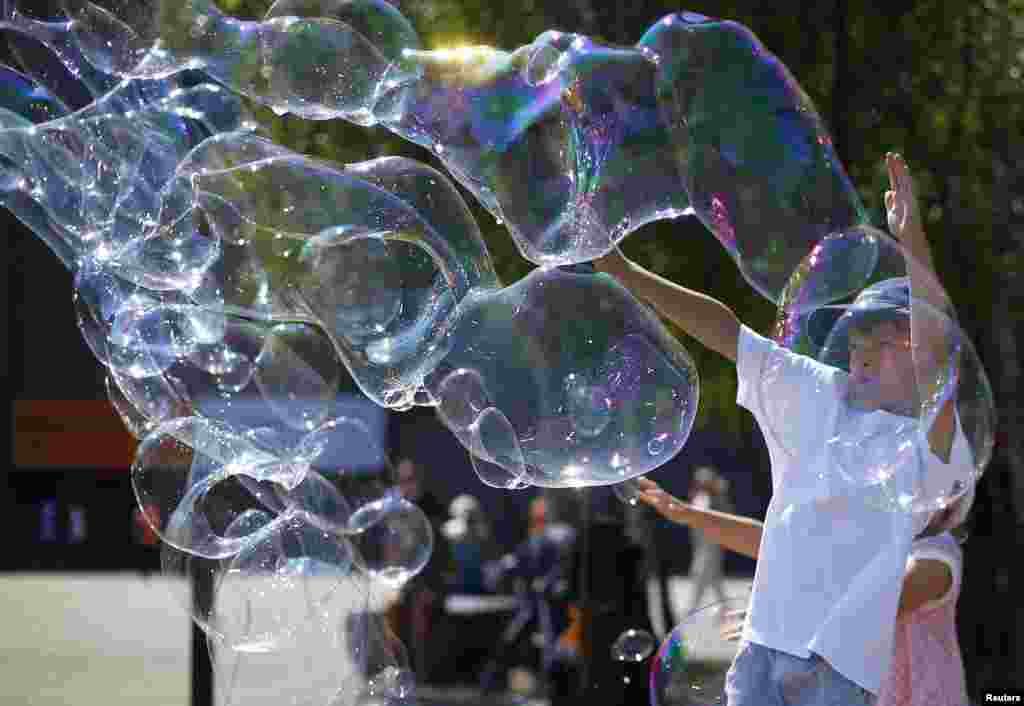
x,y
708,320
931,353
925,580
734,532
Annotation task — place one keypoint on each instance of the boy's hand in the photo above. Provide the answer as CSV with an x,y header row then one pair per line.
x,y
668,506
902,211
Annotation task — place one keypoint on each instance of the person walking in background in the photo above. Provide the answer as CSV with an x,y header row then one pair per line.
x,y
472,545
421,604
537,567
708,491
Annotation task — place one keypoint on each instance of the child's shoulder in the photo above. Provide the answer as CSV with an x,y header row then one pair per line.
x,y
763,356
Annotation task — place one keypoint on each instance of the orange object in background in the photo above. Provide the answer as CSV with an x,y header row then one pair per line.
x,y
50,434
570,642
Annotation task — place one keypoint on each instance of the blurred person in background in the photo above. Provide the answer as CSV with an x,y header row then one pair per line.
x,y
708,491
537,569
421,604
471,541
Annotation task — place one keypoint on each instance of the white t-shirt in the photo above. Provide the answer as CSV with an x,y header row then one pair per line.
x,y
833,549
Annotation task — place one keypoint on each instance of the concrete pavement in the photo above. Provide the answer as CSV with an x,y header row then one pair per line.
x,y
122,640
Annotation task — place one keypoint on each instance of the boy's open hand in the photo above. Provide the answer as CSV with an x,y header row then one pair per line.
x,y
902,211
667,505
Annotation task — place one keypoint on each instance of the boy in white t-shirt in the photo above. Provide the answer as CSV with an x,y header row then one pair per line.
x,y
820,627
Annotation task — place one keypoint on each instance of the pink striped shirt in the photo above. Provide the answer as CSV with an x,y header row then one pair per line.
x,y
926,668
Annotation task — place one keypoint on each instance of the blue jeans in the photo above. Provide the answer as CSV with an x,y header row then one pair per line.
x,y
761,676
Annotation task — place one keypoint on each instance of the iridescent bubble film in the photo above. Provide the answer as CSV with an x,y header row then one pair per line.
x,y
689,667
754,155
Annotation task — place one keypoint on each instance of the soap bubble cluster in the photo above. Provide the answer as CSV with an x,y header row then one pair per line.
x,y
229,285
573,145
294,551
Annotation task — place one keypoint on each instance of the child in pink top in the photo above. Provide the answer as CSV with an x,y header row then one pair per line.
x,y
926,668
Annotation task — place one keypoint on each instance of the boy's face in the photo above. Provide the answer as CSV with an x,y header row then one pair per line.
x,y
882,368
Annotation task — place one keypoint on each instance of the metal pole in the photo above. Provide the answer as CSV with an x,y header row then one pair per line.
x,y
586,610
202,666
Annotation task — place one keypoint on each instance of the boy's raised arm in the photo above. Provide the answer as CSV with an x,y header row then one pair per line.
x,y
928,335
708,320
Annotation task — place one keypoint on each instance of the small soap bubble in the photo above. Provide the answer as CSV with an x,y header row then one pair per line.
x,y
633,646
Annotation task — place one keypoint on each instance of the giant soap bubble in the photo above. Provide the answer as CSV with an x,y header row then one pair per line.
x,y
293,543
754,155
267,593
561,140
345,655
49,53
347,248
545,397
571,143
92,178
888,357
315,59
